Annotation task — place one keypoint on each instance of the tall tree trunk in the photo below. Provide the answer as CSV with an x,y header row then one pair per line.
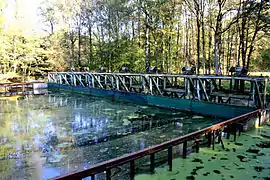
x,y
203,46
217,37
162,49
79,46
156,47
147,62
216,53
133,31
198,45
242,41
198,15
178,45
254,34
187,44
90,44
209,50
229,53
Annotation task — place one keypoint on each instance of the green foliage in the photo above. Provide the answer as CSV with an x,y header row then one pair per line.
x,y
262,62
115,33
23,54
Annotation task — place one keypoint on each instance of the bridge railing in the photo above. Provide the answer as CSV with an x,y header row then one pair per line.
x,y
11,89
230,126
243,91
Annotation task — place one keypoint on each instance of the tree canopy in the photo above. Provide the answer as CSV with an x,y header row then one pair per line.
x,y
209,34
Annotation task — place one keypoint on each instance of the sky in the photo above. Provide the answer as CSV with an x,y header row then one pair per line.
x,y
28,11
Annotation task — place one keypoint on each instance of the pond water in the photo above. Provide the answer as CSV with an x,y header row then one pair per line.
x,y
246,158
45,136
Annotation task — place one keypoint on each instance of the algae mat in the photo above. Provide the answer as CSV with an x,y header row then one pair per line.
x,y
247,158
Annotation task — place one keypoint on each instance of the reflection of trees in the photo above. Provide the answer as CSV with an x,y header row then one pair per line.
x,y
21,127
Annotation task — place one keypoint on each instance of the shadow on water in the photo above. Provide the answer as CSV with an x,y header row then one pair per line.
x,y
45,136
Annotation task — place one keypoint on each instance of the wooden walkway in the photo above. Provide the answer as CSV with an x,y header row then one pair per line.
x,y
13,89
242,91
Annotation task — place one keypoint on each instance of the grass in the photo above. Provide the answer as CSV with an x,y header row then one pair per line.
x,y
259,73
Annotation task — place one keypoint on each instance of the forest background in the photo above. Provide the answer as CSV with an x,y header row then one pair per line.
x,y
167,34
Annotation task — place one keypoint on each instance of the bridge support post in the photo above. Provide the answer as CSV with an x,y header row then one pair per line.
x,y
93,177
170,158
132,170
197,141
185,149
213,141
209,136
108,174
152,163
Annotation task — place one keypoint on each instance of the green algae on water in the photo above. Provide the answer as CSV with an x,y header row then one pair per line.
x,y
237,164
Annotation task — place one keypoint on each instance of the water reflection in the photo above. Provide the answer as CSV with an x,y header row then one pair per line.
x,y
45,136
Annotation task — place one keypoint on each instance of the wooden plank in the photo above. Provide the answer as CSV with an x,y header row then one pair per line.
x,y
174,90
156,85
204,91
136,87
123,83
230,95
100,85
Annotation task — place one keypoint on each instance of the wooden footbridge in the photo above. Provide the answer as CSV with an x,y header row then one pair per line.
x,y
240,91
25,88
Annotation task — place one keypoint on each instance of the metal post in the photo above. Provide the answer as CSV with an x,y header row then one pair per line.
x,y
108,174
228,132
130,82
112,81
234,132
211,86
93,177
93,81
197,145
260,116
132,170
150,86
152,163
185,149
60,78
213,135
49,77
74,80
164,82
198,89
170,158
209,135
264,93
117,83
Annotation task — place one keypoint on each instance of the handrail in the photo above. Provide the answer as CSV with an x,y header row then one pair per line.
x,y
107,165
248,78
19,84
